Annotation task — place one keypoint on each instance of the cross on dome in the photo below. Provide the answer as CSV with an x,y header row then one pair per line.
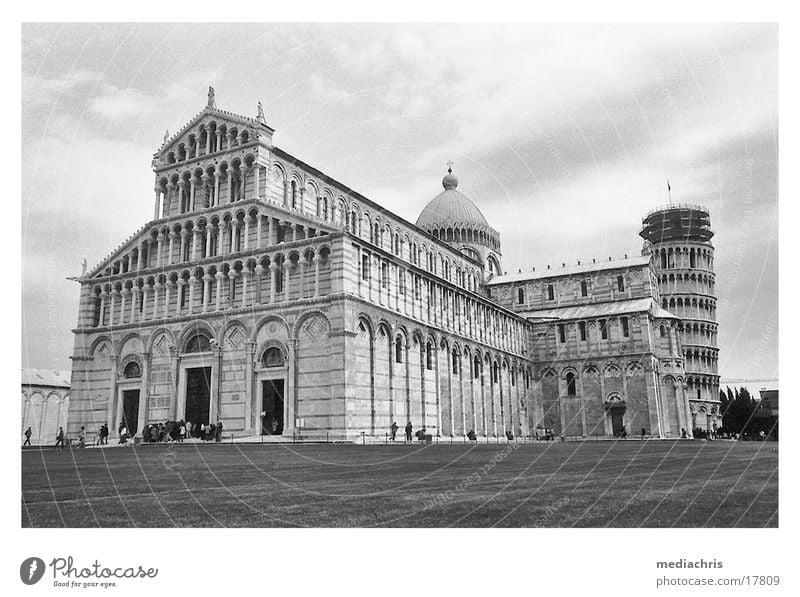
x,y
450,181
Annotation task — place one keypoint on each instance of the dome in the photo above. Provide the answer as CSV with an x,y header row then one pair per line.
x,y
451,208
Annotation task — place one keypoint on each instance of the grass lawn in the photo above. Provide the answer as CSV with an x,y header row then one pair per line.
x,y
580,484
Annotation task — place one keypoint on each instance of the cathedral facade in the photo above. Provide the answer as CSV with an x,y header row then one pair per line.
x,y
271,297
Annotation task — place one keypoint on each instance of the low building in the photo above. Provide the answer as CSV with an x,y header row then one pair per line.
x,y
606,356
45,403
766,414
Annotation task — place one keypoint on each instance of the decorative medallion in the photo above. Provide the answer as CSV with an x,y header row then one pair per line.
x,y
314,328
235,337
161,346
634,370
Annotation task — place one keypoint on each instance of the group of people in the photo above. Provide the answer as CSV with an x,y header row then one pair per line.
x,y
152,433
177,431
423,435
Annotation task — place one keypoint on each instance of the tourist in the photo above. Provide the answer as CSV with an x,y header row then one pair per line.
x,y
28,434
104,434
182,431
644,433
623,433
392,430
218,434
123,434
82,437
60,439
409,429
471,435
509,435
684,435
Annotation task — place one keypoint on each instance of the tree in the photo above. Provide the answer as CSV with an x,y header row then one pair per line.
x,y
737,411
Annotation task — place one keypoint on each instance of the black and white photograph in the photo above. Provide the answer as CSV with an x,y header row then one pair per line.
x,y
284,281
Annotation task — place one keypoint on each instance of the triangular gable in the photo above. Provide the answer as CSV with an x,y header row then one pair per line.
x,y
98,270
210,113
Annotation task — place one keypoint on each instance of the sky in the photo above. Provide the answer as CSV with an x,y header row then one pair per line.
x,y
563,135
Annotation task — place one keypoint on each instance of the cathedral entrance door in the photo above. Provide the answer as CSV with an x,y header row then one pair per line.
x,y
198,396
130,411
272,407
616,420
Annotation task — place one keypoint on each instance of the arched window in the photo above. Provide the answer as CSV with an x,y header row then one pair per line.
x,y
584,288
398,350
272,357
455,362
570,383
96,314
521,296
428,356
132,369
620,284
550,292
198,343
476,368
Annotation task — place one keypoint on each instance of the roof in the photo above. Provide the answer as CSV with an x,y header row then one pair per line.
x,y
451,208
770,396
606,309
55,378
586,268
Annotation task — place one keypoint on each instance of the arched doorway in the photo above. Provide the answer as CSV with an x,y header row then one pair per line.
x,y
130,399
197,383
615,415
273,391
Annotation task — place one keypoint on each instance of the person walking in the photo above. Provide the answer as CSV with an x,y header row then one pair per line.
x,y
104,434
392,430
182,432
60,439
28,434
82,437
644,433
409,429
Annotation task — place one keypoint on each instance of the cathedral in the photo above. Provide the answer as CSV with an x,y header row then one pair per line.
x,y
269,296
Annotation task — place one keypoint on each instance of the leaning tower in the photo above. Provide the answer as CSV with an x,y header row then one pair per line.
x,y
678,239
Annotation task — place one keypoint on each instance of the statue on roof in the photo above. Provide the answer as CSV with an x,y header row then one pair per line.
x,y
166,136
260,116
84,265
211,102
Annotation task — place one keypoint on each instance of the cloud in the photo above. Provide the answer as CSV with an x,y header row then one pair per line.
x,y
38,90
118,104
